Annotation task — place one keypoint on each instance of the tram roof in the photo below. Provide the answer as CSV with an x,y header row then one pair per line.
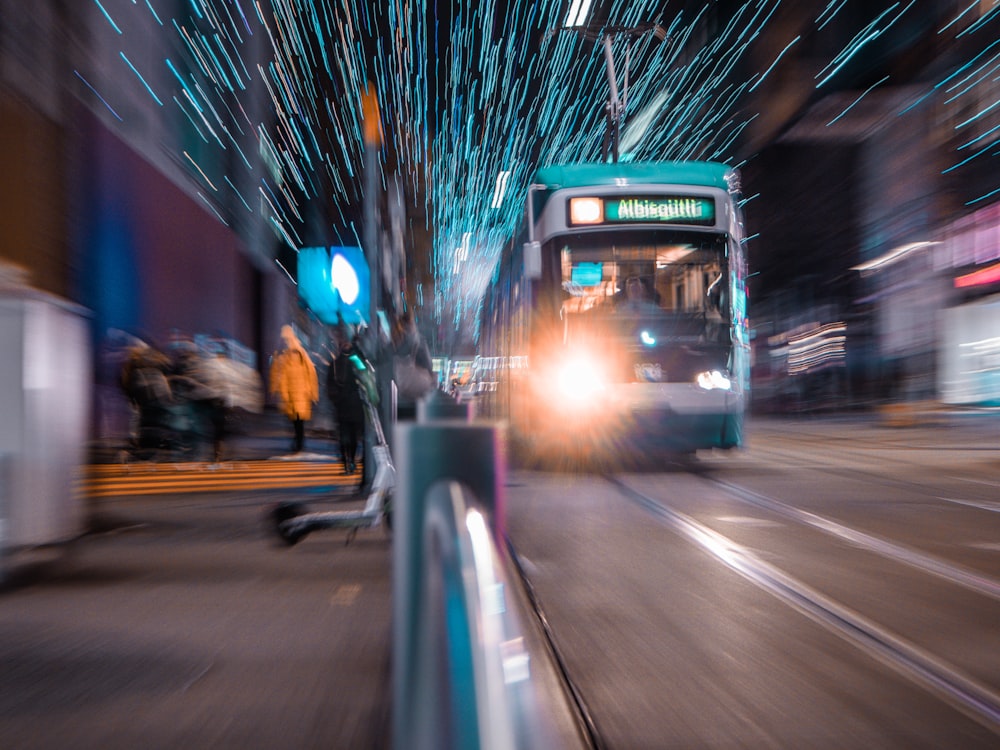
x,y
703,173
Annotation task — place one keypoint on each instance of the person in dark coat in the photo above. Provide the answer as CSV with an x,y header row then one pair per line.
x,y
145,383
197,405
407,342
413,369
344,388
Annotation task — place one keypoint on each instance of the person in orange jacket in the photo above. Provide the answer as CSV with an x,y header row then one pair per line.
x,y
293,380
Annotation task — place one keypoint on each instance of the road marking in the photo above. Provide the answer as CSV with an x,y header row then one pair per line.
x,y
748,521
346,595
970,480
981,504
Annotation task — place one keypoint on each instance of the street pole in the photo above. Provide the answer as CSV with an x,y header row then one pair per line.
x,y
373,143
372,129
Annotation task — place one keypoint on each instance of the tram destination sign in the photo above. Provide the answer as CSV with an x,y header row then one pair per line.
x,y
665,209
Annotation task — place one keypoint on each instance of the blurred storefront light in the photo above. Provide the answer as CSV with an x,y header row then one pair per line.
x,y
894,255
988,275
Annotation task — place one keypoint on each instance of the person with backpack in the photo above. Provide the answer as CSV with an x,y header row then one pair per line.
x,y
344,387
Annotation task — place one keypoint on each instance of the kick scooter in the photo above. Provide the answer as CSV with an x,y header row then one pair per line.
x,y
292,520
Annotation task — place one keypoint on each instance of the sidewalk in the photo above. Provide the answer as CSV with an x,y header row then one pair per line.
x,y
251,437
182,623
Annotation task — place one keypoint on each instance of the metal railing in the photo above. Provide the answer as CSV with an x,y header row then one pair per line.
x,y
464,674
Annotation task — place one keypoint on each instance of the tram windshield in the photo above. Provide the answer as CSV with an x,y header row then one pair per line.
x,y
677,278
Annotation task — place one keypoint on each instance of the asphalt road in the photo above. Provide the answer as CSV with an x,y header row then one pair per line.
x,y
835,585
785,596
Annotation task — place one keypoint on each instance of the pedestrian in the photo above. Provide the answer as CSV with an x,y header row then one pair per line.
x,y
215,370
144,381
412,365
293,380
196,398
344,387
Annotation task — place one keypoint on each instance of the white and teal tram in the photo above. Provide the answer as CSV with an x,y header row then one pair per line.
x,y
621,322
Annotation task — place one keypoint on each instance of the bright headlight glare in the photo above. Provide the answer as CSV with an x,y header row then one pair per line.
x,y
713,380
578,381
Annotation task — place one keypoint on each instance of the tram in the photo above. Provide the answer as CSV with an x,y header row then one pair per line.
x,y
617,321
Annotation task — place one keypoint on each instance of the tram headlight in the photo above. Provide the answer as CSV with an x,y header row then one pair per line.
x,y
579,381
713,380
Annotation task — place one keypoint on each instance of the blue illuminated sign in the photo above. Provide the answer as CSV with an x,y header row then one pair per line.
x,y
587,274
334,284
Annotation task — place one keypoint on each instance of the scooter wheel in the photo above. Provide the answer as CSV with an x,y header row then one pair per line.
x,y
387,513
283,512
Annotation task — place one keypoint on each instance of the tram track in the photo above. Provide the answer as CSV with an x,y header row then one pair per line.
x,y
971,696
972,580
589,726
838,464
833,468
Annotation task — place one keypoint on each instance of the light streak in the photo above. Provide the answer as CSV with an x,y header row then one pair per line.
x,y
771,67
983,197
212,207
153,11
851,106
578,13
956,19
183,84
278,263
205,176
141,79
860,40
501,188
894,255
986,134
108,16
472,90
988,275
238,194
982,74
978,114
94,91
965,161
982,21
833,13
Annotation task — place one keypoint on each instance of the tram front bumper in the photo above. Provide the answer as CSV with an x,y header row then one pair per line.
x,y
667,416
680,416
